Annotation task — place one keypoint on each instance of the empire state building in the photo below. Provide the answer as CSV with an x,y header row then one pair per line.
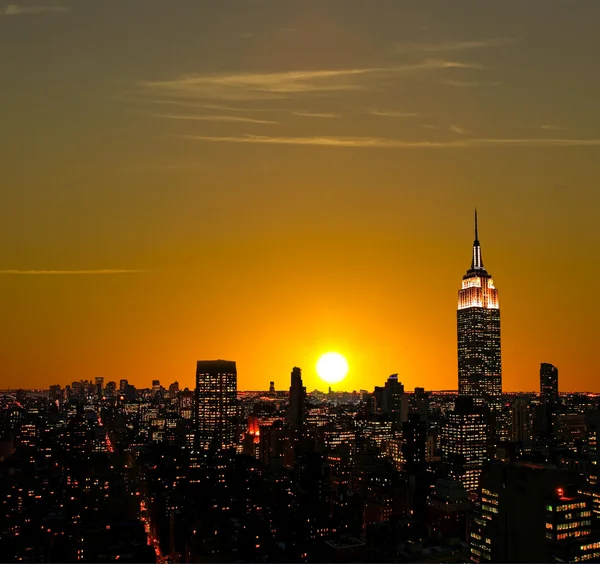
x,y
478,324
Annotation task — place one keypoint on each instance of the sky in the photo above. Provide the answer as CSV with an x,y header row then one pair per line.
x,y
266,181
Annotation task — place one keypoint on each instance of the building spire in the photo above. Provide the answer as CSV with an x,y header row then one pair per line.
x,y
476,263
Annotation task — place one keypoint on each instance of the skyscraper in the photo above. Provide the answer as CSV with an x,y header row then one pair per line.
x,y
296,415
548,384
216,404
532,513
464,443
478,324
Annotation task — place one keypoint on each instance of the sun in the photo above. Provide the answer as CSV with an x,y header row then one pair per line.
x,y
332,367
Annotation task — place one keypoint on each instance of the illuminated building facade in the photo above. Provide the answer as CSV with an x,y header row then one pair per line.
x,y
464,444
532,513
216,404
478,324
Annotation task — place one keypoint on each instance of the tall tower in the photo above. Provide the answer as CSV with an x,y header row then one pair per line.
x,y
478,324
549,384
296,415
216,404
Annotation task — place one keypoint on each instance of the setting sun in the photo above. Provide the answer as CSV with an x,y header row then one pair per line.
x,y
332,367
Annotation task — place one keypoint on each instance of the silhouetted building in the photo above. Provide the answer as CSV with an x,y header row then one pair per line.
x,y
296,416
548,384
520,430
391,400
216,404
531,513
414,433
478,324
447,509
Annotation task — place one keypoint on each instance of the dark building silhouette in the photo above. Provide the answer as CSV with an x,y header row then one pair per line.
x,y
532,513
478,324
296,416
548,384
414,449
391,400
216,404
448,506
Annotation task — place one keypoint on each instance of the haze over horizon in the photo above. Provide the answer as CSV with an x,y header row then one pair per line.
x,y
268,181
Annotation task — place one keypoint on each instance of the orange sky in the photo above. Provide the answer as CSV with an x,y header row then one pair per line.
x,y
294,179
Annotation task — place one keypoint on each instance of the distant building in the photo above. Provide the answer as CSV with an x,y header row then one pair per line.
x,y
216,404
99,386
296,416
478,327
391,400
548,384
520,429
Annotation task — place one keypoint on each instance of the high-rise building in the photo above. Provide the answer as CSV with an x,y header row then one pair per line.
x,y
548,384
464,443
532,513
478,324
391,400
296,415
520,428
216,404
99,386
272,387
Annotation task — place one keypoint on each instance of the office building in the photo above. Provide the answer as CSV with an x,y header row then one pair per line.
x,y
548,384
532,513
99,386
391,400
478,325
216,404
296,416
520,428
464,443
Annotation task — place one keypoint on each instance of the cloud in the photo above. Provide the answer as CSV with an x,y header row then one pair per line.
x,y
458,130
468,83
384,143
393,113
453,46
278,85
316,114
234,119
552,127
19,10
71,272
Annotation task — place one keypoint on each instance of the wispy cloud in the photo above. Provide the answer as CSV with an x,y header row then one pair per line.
x,y
20,10
71,272
550,127
384,143
233,119
469,83
458,130
453,46
316,114
277,85
392,113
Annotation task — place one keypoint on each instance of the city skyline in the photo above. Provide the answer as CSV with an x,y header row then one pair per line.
x,y
272,182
